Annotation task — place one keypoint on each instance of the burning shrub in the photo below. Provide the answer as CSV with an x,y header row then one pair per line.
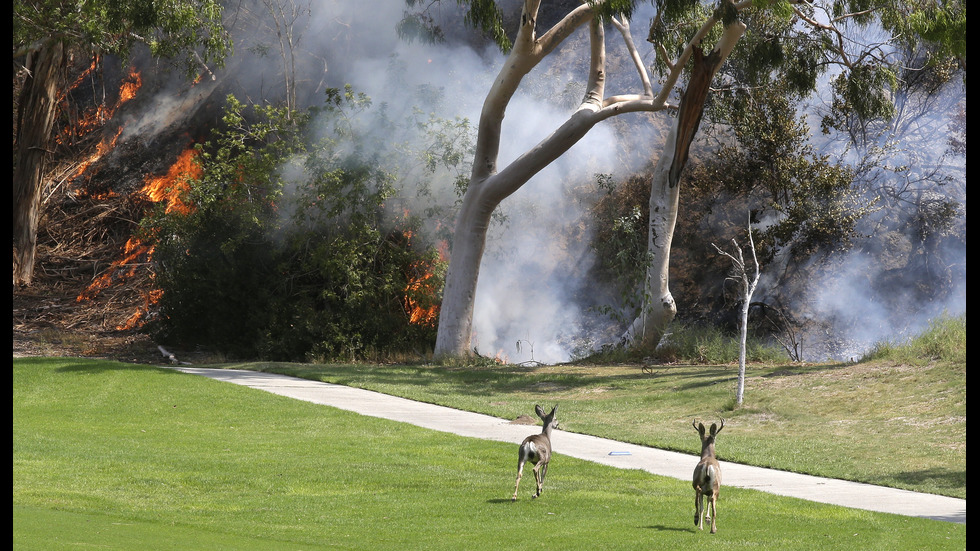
x,y
286,251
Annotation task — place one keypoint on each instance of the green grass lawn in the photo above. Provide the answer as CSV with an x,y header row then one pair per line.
x,y
901,426
118,456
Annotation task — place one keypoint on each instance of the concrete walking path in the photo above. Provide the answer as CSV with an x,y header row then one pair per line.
x,y
599,450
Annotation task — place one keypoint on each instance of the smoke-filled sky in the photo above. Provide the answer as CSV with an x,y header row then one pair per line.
x,y
527,305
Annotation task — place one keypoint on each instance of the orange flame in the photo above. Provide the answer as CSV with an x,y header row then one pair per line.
x,y
86,72
129,87
136,320
123,268
422,285
171,185
106,145
157,188
417,314
97,118
166,188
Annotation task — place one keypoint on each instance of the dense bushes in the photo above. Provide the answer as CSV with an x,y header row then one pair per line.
x,y
288,251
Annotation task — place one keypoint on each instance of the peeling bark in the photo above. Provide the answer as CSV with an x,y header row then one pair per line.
x,y
659,308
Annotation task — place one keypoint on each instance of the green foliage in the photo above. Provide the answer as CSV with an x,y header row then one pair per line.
x,y
810,197
929,45
419,26
768,48
418,23
674,25
486,16
943,340
179,30
287,251
675,10
942,25
619,218
621,8
860,95
782,9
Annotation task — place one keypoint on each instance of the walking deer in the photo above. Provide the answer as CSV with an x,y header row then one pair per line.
x,y
536,449
707,476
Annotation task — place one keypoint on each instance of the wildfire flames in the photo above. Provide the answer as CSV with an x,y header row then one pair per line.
x,y
171,185
420,293
168,188
97,118
422,284
418,314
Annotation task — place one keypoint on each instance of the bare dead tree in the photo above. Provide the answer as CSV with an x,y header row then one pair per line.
x,y
740,274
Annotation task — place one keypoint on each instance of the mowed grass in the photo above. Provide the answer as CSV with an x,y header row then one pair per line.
x,y
902,426
118,456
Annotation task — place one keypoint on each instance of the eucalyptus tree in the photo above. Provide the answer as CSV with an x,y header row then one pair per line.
x,y
489,185
46,35
798,40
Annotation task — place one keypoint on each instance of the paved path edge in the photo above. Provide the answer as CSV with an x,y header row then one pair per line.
x,y
600,450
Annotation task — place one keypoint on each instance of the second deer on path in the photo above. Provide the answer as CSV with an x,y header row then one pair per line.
x,y
707,476
536,449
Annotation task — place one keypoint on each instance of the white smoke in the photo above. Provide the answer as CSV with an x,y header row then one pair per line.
x,y
527,304
524,308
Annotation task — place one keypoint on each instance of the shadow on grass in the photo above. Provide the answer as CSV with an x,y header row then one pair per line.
x,y
88,365
941,478
662,528
477,381
791,370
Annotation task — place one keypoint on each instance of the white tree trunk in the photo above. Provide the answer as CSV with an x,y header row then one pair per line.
x,y
488,187
658,308
742,343
740,272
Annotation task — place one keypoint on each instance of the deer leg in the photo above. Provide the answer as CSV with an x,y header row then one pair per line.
x,y
520,471
538,478
544,471
698,504
714,511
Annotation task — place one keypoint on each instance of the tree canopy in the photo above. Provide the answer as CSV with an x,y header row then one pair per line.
x,y
187,30
863,47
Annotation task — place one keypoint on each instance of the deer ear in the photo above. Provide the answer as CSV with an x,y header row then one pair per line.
x,y
539,411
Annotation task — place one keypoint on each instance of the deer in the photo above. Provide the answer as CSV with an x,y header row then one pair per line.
x,y
536,449
707,476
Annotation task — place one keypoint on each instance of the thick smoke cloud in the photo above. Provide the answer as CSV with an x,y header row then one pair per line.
x,y
533,299
524,309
